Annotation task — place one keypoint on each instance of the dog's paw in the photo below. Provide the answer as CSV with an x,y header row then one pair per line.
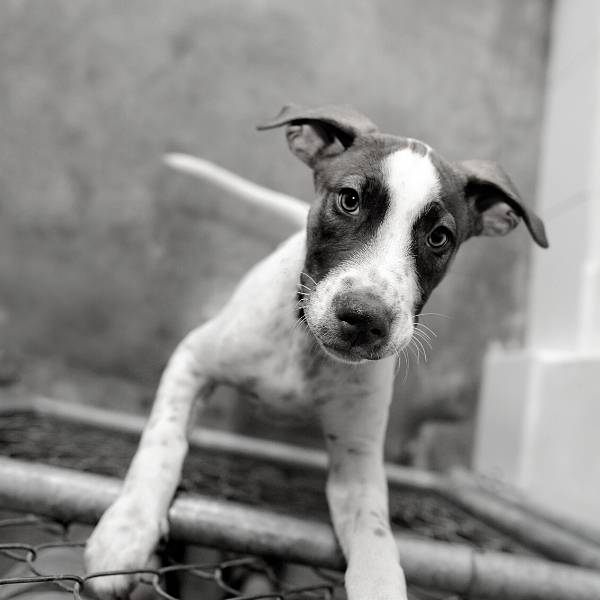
x,y
124,539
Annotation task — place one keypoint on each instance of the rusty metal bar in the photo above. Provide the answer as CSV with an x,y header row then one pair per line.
x,y
512,497
73,496
211,439
528,524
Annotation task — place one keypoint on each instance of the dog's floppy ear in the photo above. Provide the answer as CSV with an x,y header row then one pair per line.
x,y
496,202
316,133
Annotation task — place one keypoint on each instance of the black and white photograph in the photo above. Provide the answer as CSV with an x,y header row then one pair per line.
x,y
300,300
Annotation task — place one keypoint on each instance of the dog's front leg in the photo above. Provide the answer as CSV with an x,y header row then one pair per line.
x,y
358,499
127,535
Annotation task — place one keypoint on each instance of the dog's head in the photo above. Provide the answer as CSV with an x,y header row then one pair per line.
x,y
389,215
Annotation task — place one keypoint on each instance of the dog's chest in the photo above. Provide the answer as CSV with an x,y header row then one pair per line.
x,y
297,380
276,381
273,370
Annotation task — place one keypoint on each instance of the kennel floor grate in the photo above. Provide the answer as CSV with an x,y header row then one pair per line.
x,y
47,440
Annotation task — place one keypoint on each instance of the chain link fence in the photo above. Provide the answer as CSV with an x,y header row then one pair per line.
x,y
34,438
55,568
271,513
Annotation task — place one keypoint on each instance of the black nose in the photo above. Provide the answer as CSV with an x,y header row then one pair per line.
x,y
363,318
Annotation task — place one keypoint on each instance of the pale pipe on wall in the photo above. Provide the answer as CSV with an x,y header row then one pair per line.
x,y
539,417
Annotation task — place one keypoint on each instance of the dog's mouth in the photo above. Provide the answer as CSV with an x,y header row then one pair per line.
x,y
353,325
351,354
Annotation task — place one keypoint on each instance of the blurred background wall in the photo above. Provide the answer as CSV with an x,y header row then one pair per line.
x,y
539,405
107,258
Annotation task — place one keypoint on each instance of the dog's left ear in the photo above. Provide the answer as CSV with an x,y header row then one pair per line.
x,y
317,133
497,204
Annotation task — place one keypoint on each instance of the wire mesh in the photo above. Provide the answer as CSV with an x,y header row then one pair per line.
x,y
279,488
43,569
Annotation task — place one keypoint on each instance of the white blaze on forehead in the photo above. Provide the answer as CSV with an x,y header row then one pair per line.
x,y
412,182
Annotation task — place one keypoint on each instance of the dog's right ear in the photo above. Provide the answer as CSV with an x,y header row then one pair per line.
x,y
316,133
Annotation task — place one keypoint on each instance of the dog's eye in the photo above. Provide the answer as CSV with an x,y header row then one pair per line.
x,y
439,238
349,201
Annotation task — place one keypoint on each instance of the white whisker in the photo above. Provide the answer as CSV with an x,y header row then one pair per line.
x,y
412,346
397,355
423,338
432,314
420,348
422,331
433,333
407,361
307,275
407,357
420,343
300,321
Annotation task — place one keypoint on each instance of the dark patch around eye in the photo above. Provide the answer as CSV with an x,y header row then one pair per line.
x,y
455,201
429,266
375,204
333,237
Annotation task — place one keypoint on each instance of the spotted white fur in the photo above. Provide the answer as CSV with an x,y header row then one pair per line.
x,y
258,344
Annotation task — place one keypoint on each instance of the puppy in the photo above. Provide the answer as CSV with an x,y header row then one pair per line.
x,y
317,326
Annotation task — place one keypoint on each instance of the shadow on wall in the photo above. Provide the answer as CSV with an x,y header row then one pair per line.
x,y
106,259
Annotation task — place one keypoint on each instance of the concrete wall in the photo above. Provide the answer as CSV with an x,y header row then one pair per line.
x,y
540,404
106,258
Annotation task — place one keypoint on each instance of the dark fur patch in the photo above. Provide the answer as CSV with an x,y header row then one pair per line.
x,y
449,209
417,147
355,451
333,236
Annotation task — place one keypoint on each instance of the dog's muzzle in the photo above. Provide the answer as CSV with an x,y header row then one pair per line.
x,y
362,324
